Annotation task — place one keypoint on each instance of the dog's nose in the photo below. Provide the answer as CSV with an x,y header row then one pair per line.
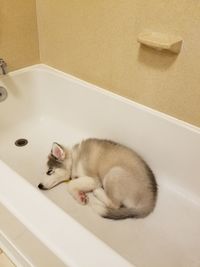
x,y
41,186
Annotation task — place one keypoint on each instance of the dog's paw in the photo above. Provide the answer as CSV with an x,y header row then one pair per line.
x,y
81,197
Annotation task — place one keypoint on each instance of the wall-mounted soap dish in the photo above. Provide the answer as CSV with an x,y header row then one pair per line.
x,y
161,41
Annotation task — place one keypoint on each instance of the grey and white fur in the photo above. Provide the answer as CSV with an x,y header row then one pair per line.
x,y
123,184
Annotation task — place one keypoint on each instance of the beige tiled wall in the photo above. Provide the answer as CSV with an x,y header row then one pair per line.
x,y
18,33
96,41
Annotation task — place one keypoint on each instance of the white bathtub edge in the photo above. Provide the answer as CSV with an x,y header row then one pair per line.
x,y
56,239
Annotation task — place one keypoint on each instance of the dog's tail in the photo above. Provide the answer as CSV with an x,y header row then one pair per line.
x,y
123,213
118,214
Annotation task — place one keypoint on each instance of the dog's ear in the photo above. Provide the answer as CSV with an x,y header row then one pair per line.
x,y
57,151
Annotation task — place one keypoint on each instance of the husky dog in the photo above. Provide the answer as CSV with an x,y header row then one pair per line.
x,y
122,183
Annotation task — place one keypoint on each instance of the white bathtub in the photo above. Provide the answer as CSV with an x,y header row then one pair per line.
x,y
45,105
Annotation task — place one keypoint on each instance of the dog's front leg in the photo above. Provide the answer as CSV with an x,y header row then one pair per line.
x,y
80,186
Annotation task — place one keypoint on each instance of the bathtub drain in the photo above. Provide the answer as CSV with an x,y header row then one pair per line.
x,y
3,93
21,142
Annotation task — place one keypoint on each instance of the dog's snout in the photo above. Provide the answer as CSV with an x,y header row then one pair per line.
x,y
41,186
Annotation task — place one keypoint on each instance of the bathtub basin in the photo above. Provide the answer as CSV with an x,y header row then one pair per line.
x,y
45,105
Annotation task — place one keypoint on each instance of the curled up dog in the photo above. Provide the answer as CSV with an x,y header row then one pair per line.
x,y
123,184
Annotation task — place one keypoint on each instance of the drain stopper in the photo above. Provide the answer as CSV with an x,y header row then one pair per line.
x,y
21,142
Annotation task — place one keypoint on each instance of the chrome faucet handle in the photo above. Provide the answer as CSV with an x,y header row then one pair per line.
x,y
3,66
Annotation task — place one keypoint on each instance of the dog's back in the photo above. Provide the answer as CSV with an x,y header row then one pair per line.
x,y
126,179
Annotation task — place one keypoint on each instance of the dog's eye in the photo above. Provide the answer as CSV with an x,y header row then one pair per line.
x,y
50,171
